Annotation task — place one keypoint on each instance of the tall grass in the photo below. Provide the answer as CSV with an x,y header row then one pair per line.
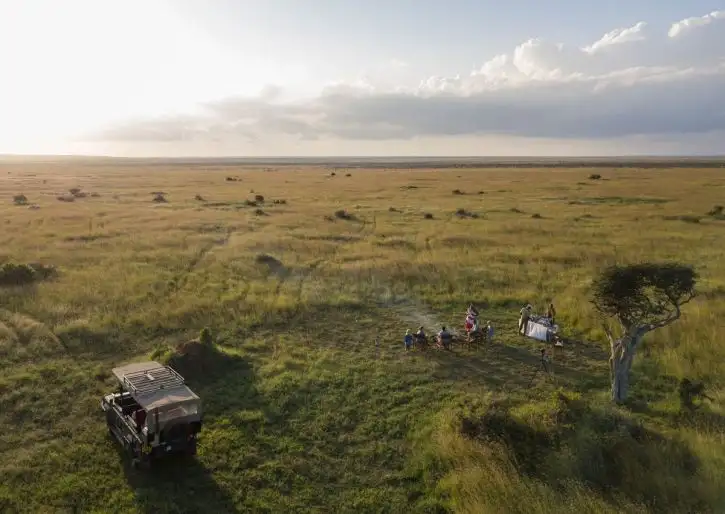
x,y
304,411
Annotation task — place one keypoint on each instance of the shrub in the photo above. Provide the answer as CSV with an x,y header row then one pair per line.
x,y
686,218
595,176
205,336
260,212
715,212
463,213
13,274
199,198
537,216
250,203
348,174
482,192
20,200
393,209
428,216
516,210
343,215
280,202
259,198
333,174
159,198
76,191
66,198
457,192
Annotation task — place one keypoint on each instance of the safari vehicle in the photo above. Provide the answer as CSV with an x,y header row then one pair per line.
x,y
153,413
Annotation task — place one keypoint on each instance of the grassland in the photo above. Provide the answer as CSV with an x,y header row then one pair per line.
x,y
304,412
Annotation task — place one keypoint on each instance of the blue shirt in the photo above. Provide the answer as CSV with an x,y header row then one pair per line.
x,y
408,339
490,332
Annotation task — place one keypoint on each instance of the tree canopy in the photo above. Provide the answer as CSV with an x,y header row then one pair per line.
x,y
647,293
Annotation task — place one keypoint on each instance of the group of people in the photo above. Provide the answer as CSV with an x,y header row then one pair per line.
x,y
473,328
526,313
444,337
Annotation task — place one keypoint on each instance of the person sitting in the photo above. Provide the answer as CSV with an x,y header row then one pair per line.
x,y
408,339
420,336
444,338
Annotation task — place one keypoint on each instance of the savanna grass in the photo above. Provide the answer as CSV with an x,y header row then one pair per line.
x,y
305,412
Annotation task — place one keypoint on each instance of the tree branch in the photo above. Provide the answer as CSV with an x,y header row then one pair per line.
x,y
669,319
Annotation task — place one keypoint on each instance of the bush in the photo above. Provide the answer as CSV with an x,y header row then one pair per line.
x,y
463,213
348,174
199,198
280,202
717,211
595,176
66,198
537,216
259,198
205,336
457,192
342,214
686,218
20,200
13,274
159,198
428,216
260,212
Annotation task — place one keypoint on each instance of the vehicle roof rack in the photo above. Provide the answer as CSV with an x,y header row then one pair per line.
x,y
151,380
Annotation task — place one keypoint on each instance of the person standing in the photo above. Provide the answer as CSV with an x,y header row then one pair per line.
x,y
524,319
551,313
408,339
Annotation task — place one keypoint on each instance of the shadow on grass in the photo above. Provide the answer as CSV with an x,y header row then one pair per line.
x,y
226,384
602,450
177,484
504,366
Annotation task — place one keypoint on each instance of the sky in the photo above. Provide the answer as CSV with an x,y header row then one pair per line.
x,y
362,77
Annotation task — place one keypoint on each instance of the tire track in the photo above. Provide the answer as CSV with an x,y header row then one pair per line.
x,y
364,230
180,280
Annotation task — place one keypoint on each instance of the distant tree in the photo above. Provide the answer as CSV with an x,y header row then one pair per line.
x,y
642,298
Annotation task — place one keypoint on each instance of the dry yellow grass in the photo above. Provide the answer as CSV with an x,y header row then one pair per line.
x,y
312,416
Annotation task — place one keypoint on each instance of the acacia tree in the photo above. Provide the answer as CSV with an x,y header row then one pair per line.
x,y
642,298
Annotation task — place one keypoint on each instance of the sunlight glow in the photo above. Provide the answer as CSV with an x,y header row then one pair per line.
x,y
72,65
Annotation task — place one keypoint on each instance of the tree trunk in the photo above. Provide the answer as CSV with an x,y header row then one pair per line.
x,y
620,362
620,376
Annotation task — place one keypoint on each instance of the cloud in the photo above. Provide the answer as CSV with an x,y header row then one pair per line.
x,y
632,81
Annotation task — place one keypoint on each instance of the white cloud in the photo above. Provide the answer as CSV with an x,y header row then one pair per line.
x,y
683,26
632,81
619,36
